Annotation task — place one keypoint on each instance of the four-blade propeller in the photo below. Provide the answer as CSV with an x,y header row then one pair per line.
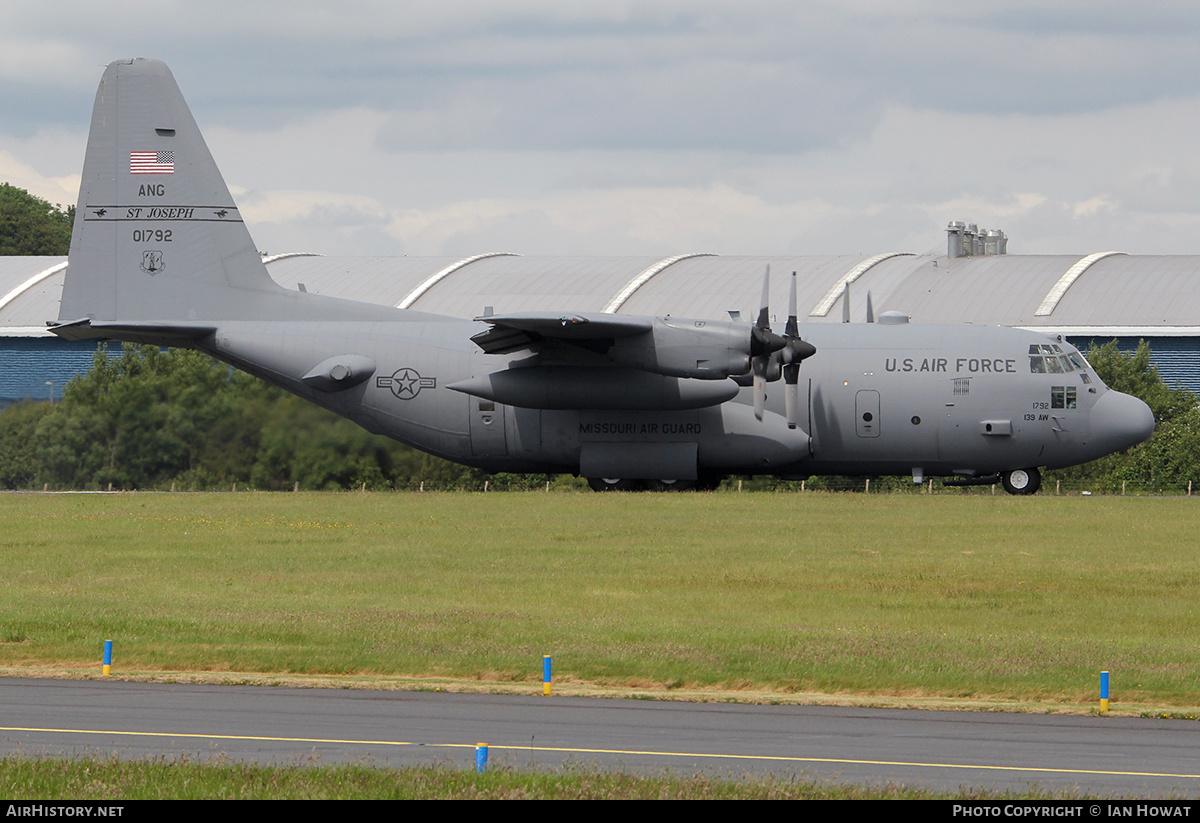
x,y
773,356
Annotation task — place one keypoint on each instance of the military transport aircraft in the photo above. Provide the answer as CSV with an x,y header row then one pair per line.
x,y
160,255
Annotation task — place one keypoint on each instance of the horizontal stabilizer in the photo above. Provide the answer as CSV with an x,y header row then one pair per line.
x,y
152,333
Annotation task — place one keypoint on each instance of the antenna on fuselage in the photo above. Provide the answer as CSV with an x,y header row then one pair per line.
x,y
846,305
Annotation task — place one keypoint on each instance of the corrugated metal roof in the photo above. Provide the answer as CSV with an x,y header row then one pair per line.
x,y
1001,290
372,279
30,290
1143,290
643,277
1119,290
532,284
711,287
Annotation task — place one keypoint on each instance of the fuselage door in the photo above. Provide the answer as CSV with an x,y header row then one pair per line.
x,y
866,413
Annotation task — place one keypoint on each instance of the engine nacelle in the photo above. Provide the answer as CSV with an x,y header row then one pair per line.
x,y
701,349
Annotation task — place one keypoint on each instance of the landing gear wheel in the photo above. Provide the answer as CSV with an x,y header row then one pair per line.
x,y
1021,481
670,485
613,484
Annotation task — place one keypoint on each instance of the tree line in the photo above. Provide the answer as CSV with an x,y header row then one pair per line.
x,y
1166,463
176,418
31,226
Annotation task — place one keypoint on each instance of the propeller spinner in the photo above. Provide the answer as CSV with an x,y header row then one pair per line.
x,y
773,355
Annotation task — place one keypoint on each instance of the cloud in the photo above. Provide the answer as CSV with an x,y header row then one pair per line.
x,y
62,191
624,127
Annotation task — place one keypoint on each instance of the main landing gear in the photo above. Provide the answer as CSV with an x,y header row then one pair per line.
x,y
613,484
1017,481
1021,481
704,483
670,485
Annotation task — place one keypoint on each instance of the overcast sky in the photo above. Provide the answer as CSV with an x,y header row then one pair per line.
x,y
581,127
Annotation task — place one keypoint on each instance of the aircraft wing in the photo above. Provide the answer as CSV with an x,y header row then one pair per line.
x,y
677,347
634,362
513,332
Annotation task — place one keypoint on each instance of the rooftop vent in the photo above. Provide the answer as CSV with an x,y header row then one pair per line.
x,y
967,240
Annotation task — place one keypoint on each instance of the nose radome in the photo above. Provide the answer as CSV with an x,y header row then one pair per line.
x,y
1120,421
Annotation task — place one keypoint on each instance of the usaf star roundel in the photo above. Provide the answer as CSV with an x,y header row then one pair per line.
x,y
406,383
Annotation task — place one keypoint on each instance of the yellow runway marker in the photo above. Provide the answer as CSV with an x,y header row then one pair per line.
x,y
627,752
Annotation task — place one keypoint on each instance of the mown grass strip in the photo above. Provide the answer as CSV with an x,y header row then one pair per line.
x,y
104,779
1021,599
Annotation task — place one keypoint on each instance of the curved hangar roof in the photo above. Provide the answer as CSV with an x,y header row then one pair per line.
x,y
1102,293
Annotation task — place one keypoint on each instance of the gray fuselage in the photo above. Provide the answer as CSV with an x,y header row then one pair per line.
x,y
876,399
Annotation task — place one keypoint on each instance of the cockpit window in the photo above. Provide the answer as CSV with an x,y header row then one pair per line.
x,y
1063,397
1047,358
1037,364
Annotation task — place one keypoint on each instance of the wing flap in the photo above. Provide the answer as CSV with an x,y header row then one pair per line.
x,y
513,332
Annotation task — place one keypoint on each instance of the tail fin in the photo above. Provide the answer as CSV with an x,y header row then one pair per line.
x,y
157,235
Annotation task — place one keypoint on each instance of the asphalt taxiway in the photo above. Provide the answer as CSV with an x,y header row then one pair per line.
x,y
944,750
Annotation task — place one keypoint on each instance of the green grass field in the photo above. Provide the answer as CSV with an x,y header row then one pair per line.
x,y
101,779
968,596
163,779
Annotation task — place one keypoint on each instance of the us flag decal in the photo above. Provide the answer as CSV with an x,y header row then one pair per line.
x,y
151,162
